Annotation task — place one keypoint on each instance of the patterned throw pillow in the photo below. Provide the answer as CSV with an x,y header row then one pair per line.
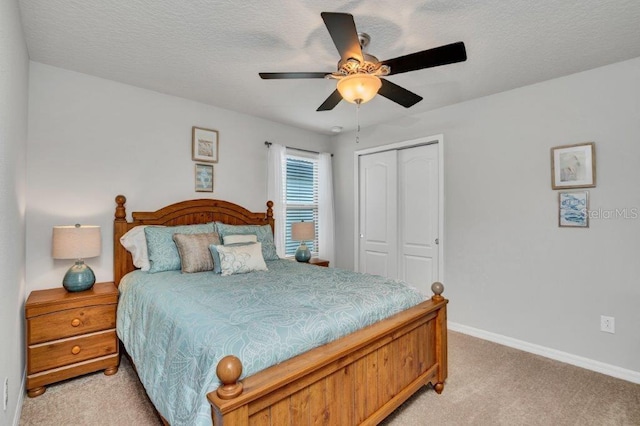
x,y
163,253
241,259
194,251
230,241
263,232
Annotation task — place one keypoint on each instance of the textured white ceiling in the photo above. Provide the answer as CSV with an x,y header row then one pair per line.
x,y
211,51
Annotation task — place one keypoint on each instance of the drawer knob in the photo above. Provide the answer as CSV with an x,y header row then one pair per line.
x,y
75,322
75,350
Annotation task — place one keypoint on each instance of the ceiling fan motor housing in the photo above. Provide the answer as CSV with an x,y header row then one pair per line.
x,y
369,65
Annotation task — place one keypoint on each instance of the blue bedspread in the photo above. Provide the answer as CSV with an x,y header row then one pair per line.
x,y
176,327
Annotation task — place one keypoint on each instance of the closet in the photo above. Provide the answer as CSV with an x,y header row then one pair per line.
x,y
399,214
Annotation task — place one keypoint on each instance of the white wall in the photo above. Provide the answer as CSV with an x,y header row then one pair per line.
x,y
14,74
509,269
91,139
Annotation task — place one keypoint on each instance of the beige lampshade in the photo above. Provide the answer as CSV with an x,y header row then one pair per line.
x,y
303,231
76,242
359,88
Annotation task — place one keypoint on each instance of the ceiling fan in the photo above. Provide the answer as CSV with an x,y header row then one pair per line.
x,y
359,73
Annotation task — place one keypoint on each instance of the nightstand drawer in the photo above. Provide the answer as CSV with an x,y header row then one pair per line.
x,y
71,322
319,262
69,351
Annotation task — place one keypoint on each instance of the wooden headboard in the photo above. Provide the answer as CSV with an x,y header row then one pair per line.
x,y
183,213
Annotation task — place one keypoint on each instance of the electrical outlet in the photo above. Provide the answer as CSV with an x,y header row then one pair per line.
x,y
5,398
607,324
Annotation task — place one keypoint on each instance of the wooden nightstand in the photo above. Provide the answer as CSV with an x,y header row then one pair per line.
x,y
70,334
319,262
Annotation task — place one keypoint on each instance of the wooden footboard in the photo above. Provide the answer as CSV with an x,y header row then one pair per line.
x,y
359,379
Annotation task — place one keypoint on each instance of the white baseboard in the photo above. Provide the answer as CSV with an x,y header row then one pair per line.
x,y
578,361
20,401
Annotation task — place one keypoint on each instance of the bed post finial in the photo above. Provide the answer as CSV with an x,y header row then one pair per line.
x,y
121,212
229,370
437,288
270,219
269,209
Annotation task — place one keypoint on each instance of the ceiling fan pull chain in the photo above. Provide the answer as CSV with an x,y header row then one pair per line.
x,y
358,122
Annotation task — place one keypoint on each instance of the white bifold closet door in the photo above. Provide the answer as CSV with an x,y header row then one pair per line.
x,y
379,214
399,214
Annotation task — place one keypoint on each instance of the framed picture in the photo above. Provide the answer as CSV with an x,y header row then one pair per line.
x,y
573,166
573,209
204,177
204,145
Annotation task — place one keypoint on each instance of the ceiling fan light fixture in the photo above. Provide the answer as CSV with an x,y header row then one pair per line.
x,y
359,88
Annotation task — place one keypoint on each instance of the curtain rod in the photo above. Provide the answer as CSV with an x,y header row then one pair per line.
x,y
268,144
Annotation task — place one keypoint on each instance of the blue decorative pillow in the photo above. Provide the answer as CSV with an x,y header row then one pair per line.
x,y
163,253
216,258
263,232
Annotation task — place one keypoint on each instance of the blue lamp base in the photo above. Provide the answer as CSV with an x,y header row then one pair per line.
x,y
303,254
79,277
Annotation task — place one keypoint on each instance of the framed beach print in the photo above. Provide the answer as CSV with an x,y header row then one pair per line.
x,y
573,209
204,177
204,145
573,166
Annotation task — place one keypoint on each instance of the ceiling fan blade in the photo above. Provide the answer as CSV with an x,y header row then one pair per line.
x,y
398,94
342,29
333,100
443,55
281,75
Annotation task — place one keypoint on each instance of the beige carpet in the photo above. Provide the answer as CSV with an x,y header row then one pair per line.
x,y
488,384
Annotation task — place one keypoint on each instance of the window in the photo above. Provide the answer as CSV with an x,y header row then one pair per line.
x,y
301,176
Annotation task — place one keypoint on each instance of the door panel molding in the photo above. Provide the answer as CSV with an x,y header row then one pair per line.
x,y
418,204
377,186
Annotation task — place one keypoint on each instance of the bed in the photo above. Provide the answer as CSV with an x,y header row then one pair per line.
x,y
356,379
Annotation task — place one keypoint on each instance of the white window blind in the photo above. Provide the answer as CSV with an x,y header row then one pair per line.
x,y
302,197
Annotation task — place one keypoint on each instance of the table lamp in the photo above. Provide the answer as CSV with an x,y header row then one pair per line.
x,y
79,243
303,231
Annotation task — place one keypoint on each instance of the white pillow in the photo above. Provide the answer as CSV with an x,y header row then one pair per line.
x,y
241,259
135,242
240,239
